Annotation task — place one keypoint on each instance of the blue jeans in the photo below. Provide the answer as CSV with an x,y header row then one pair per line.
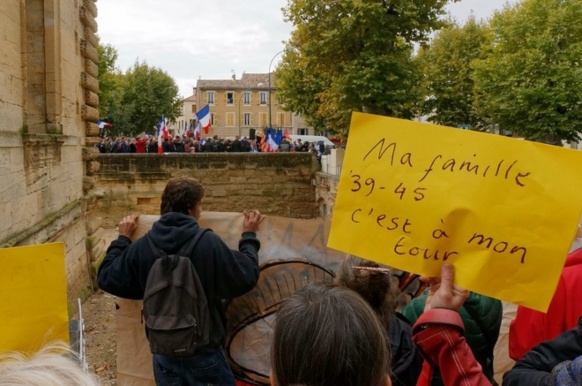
x,y
206,369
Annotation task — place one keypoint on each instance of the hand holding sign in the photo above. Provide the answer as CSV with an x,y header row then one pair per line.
x,y
444,293
502,211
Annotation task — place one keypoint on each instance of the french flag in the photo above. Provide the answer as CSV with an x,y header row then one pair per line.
x,y
197,130
272,145
161,129
186,130
203,117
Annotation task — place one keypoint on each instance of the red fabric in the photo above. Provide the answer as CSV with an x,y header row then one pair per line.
x,y
438,334
140,145
241,383
530,327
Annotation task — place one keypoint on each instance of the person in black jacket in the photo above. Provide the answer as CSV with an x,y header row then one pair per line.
x,y
555,362
224,274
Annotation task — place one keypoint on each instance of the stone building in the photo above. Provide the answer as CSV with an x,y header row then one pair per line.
x,y
48,100
242,106
50,174
187,116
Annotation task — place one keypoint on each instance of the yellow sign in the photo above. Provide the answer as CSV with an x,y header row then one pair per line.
x,y
33,297
503,211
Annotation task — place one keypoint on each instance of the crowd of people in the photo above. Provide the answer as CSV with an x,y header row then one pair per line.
x,y
185,144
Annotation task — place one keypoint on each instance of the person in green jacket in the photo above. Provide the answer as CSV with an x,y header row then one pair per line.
x,y
482,318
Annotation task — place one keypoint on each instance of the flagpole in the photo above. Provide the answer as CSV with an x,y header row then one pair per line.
x,y
270,63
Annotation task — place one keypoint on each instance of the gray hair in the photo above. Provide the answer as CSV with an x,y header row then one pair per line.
x,y
53,365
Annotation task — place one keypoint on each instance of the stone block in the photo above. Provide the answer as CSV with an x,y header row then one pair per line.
x,y
92,167
93,223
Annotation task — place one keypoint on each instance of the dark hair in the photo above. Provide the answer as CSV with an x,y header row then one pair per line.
x,y
180,195
374,287
328,336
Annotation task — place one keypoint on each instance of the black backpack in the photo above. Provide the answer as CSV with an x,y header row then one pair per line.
x,y
175,309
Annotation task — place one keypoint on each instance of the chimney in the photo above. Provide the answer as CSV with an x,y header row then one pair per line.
x,y
233,76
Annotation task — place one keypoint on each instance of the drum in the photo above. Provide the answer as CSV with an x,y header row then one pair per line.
x,y
250,317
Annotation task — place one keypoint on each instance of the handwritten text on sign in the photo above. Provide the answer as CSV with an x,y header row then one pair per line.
x,y
502,210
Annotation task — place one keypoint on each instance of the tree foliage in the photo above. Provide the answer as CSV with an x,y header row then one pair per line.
x,y
109,79
530,81
447,73
347,55
148,93
134,101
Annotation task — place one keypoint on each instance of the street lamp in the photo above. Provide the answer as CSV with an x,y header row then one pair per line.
x,y
270,63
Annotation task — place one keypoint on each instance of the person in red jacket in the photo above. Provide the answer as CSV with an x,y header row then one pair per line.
x,y
531,327
140,144
438,333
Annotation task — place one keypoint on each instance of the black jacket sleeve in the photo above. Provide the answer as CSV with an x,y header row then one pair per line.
x,y
235,272
535,368
118,274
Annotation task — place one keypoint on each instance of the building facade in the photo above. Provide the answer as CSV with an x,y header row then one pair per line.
x,y
187,117
244,106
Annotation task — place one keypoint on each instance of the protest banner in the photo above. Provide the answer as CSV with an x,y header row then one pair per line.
x,y
33,297
281,238
503,211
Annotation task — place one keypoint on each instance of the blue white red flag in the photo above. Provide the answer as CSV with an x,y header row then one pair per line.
x,y
186,130
161,128
197,130
272,145
203,117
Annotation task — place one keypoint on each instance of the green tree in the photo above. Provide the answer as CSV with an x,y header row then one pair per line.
x,y
351,55
148,93
530,82
109,79
446,69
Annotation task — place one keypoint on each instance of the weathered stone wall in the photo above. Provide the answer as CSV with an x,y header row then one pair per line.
x,y
42,130
274,183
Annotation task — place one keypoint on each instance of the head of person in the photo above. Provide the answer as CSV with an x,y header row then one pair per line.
x,y
328,336
53,365
182,195
374,286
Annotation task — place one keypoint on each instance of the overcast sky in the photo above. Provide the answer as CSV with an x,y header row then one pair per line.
x,y
212,39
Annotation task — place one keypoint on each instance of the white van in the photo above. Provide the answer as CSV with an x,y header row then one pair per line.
x,y
312,139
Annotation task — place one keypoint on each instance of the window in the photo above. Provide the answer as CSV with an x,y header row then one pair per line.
x,y
280,119
229,119
193,108
263,119
263,97
230,98
210,97
302,131
247,98
247,119
212,121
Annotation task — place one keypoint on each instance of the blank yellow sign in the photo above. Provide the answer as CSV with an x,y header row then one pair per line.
x,y
504,211
33,297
